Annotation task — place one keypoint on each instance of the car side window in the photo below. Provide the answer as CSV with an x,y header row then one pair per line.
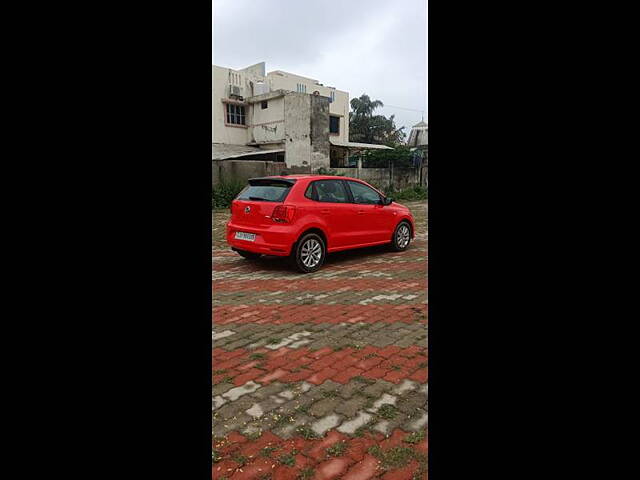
x,y
329,191
363,194
309,192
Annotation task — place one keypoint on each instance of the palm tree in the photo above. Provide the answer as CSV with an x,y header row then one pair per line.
x,y
364,106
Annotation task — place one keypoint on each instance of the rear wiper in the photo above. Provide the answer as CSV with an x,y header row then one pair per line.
x,y
259,199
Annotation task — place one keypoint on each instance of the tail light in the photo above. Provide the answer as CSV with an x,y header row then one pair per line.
x,y
283,213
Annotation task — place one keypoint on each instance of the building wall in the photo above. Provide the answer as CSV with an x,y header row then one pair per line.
x,y
222,133
340,106
268,124
320,145
287,119
297,127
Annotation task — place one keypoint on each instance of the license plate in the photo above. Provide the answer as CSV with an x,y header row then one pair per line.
x,y
245,236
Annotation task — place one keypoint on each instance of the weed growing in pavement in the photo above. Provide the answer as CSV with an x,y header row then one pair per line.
x,y
288,460
415,437
239,459
396,367
253,436
369,355
219,372
257,356
281,420
273,341
423,365
215,456
337,449
306,474
302,408
306,432
267,451
361,379
395,457
330,393
387,411
226,379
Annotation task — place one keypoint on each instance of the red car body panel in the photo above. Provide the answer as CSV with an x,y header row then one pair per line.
x,y
343,225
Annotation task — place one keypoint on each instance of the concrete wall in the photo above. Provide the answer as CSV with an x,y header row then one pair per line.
x,y
340,106
242,170
297,126
320,145
400,178
268,124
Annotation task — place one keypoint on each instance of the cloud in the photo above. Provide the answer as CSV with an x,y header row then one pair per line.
x,y
376,47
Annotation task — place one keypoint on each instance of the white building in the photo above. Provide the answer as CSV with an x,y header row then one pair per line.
x,y
279,116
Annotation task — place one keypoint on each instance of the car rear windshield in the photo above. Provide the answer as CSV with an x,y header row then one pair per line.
x,y
265,191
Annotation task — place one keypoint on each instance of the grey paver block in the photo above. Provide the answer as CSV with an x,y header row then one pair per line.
x,y
417,421
267,391
385,399
326,423
351,426
409,403
406,386
237,392
351,406
325,406
351,388
218,401
221,388
378,388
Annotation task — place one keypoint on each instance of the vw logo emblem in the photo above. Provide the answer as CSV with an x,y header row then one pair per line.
x,y
247,209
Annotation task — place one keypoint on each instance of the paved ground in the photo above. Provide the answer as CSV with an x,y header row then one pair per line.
x,y
321,376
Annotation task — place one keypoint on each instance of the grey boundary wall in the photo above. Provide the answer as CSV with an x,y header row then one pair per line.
x,y
242,170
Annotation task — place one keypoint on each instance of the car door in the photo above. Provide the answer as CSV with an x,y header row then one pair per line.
x,y
331,203
371,214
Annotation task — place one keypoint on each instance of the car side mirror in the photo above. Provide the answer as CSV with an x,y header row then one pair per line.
x,y
387,201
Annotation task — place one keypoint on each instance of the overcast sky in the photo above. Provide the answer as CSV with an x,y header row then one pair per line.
x,y
377,47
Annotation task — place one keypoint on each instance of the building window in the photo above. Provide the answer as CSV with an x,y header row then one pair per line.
x,y
332,97
264,105
334,124
235,114
301,88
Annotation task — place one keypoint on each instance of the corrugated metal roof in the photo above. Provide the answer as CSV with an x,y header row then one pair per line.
x,y
371,146
223,151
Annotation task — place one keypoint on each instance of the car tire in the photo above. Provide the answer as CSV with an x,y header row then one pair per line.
x,y
309,253
401,237
249,255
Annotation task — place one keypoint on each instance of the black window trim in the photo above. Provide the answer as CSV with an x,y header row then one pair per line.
x,y
314,190
368,186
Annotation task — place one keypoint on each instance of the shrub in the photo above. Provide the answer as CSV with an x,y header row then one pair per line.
x,y
330,171
408,194
225,192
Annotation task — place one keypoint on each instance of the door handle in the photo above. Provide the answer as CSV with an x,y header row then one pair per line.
x,y
325,212
360,212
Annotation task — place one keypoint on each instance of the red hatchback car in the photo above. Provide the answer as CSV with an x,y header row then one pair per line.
x,y
304,217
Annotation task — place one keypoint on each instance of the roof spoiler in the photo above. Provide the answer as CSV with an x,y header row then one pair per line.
x,y
259,180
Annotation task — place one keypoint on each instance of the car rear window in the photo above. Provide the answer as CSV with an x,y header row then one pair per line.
x,y
265,191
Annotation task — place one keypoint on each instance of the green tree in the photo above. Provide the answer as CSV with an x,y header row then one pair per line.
x,y
365,127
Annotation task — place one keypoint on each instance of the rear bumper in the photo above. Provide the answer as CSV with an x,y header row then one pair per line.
x,y
276,240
